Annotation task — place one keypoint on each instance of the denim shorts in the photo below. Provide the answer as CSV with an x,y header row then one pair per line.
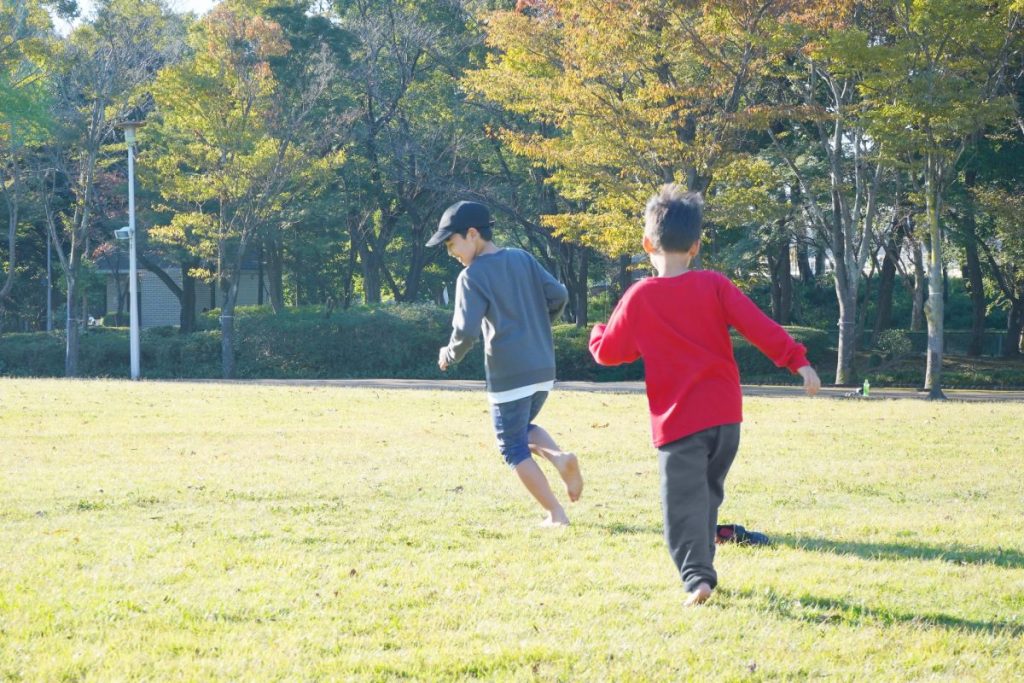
x,y
512,424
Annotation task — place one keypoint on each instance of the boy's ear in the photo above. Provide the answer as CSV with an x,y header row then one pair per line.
x,y
695,249
471,233
648,245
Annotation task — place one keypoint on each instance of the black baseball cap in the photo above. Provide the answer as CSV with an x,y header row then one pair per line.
x,y
458,218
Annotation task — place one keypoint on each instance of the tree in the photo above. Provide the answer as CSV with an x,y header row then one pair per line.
x,y
307,227
628,96
1002,242
226,153
414,143
997,226
103,63
25,43
936,81
836,164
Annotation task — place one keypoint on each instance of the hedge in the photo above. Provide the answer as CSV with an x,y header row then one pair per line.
x,y
393,341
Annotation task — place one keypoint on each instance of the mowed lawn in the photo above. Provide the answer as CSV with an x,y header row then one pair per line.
x,y
203,532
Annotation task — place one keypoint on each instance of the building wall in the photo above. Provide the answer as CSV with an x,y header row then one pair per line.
x,y
159,306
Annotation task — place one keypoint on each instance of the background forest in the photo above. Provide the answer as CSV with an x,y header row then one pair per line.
x,y
861,163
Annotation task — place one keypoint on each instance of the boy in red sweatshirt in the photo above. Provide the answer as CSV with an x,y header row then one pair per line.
x,y
678,322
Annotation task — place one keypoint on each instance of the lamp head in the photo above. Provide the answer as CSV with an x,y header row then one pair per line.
x,y
129,130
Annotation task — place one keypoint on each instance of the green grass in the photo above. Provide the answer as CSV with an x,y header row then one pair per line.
x,y
222,532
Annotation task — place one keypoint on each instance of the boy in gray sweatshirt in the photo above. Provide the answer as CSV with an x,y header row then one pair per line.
x,y
507,294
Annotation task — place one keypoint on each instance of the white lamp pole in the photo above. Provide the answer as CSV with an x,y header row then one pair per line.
x,y
133,285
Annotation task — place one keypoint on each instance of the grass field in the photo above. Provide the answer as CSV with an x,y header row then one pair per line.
x,y
221,532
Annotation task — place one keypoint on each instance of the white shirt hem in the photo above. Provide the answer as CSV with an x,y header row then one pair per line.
x,y
520,392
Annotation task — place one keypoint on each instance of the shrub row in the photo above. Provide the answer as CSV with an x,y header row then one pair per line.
x,y
396,341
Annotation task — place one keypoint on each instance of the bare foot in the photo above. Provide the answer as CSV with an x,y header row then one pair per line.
x,y
699,596
568,467
555,519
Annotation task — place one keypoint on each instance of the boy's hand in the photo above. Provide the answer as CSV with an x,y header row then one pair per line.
x,y
812,383
442,358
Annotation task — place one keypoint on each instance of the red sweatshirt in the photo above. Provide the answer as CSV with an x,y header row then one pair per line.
x,y
680,326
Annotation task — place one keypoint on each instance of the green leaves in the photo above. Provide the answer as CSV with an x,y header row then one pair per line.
x,y
936,80
212,137
627,96
25,48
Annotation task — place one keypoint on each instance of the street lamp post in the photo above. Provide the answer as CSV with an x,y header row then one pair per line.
x,y
133,285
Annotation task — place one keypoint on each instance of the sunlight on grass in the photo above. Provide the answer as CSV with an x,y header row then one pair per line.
x,y
174,531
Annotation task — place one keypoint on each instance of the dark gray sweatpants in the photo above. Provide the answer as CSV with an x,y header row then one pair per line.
x,y
693,471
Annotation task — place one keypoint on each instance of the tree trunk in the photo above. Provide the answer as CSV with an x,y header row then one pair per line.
x,y
945,284
975,279
273,252
227,331
187,317
975,276
846,277
920,287
414,276
123,293
774,289
389,281
803,260
227,342
11,192
819,261
73,270
371,272
787,286
624,280
71,332
862,310
353,250
73,323
779,266
12,233
582,290
1014,329
934,310
886,285
261,284
847,334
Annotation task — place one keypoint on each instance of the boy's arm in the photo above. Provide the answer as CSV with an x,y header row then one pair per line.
x,y
760,330
470,308
613,343
555,292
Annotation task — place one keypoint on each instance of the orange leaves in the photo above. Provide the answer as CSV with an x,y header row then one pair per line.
x,y
817,15
247,42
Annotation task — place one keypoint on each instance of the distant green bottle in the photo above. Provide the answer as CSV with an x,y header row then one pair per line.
x,y
867,388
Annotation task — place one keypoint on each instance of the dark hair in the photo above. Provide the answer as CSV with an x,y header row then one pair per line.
x,y
485,231
672,219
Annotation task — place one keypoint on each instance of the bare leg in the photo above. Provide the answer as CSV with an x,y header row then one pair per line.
x,y
567,464
537,484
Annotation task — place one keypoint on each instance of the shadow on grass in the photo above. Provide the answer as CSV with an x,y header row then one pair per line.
x,y
819,610
621,529
955,554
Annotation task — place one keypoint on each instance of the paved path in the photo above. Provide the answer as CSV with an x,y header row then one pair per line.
x,y
632,388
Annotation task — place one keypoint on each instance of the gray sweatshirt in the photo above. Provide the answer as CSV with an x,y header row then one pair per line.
x,y
515,301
